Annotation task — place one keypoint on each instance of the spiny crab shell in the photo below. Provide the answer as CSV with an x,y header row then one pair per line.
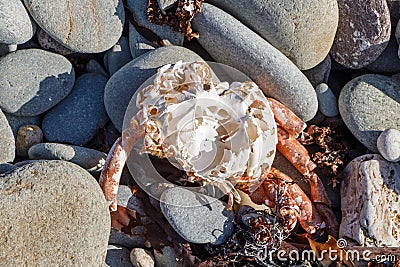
x,y
213,131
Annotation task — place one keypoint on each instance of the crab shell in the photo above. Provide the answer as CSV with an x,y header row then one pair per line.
x,y
213,131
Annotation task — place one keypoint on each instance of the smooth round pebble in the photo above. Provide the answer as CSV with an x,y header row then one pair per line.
x,y
16,25
118,55
123,84
48,43
62,218
28,135
327,101
32,81
7,141
141,258
89,159
17,121
82,26
117,256
389,145
370,104
197,218
77,119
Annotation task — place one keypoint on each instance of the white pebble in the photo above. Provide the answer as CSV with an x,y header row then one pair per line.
x,y
389,145
141,258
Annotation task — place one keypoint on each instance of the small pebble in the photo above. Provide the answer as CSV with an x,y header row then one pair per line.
x,y
327,101
118,55
128,241
167,258
138,45
94,67
388,61
320,73
141,258
117,256
6,167
389,144
28,135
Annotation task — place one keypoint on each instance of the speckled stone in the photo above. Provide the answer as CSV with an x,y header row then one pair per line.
x,y
62,218
389,145
141,258
117,256
320,73
123,84
327,101
363,32
370,104
16,25
7,141
28,135
371,202
138,44
301,30
230,42
388,61
17,121
78,117
32,81
82,26
118,55
49,44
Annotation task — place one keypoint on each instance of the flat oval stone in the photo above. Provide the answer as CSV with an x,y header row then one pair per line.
x,y
7,141
389,144
363,32
123,84
81,25
327,101
230,42
196,217
370,104
62,218
302,30
78,117
16,25
32,81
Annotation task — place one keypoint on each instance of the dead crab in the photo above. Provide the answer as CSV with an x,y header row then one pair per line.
x,y
227,135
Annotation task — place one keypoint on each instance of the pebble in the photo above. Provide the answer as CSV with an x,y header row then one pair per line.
x,y
320,73
167,258
5,48
89,159
16,25
370,202
363,32
7,141
94,67
389,145
139,13
370,104
123,84
28,135
327,101
82,26
117,256
63,218
197,218
141,258
302,30
118,55
138,45
128,241
394,9
78,117
123,196
230,42
6,167
388,61
17,121
49,44
32,81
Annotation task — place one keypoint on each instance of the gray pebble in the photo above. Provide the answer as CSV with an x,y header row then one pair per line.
x,y
7,141
137,43
16,25
78,117
389,144
195,217
230,42
123,84
63,219
122,239
87,158
32,81
388,61
370,104
17,121
123,196
118,55
327,101
48,43
82,26
320,73
167,258
117,256
6,167
94,67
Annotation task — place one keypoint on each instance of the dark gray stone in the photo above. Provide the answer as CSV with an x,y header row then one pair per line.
x,y
17,121
230,42
32,81
197,218
327,101
78,117
94,67
63,217
370,104
138,44
82,26
388,61
117,256
320,73
7,141
123,84
6,167
122,239
118,55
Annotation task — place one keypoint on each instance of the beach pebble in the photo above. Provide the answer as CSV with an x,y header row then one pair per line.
x,y
94,67
229,42
320,73
28,135
141,258
16,25
49,44
63,217
388,61
363,32
82,26
137,43
196,217
327,101
89,159
123,196
7,141
7,48
123,84
167,258
78,117
128,241
302,30
17,121
117,256
371,202
139,13
389,144
6,167
370,104
32,81
118,55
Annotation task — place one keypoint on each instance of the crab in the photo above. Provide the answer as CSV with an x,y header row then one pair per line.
x,y
225,134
